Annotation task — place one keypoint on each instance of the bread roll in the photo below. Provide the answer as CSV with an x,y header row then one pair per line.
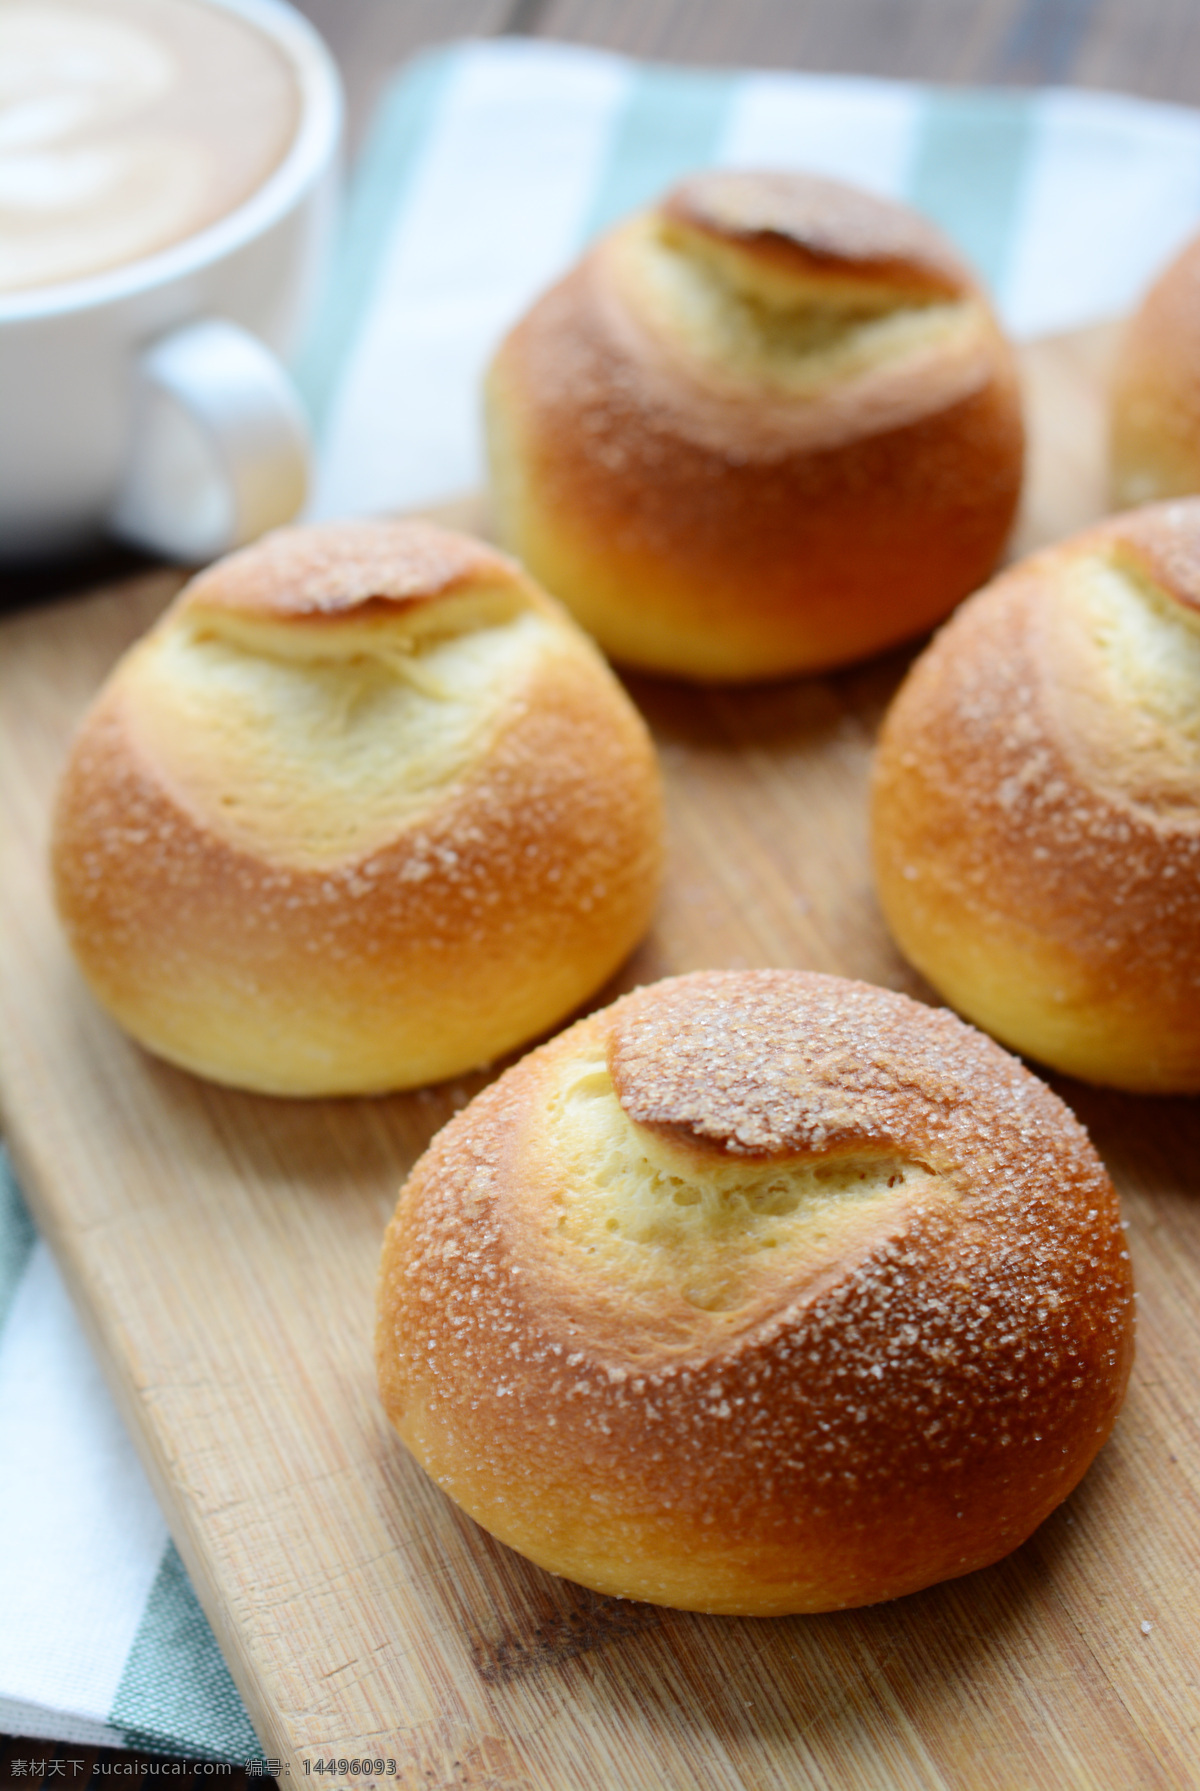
x,y
767,426
364,810
758,1292
1155,436
1037,805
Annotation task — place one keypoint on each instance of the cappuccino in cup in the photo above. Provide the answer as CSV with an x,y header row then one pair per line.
x,y
127,126
168,173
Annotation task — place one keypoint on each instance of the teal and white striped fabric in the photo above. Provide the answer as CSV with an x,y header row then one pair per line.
x,y
101,1636
489,167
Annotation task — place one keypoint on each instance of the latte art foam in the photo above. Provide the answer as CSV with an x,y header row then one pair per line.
x,y
127,126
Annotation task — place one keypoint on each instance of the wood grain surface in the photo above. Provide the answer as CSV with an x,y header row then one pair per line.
x,y
222,1251
1149,47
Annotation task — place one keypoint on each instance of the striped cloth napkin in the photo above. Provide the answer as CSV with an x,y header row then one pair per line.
x,y
488,168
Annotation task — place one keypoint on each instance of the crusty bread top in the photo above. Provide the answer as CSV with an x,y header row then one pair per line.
x,y
791,1064
1063,702
316,695
803,224
762,315
333,570
775,1136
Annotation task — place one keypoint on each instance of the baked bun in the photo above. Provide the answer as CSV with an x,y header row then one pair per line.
x,y
1037,805
767,426
758,1292
364,810
1155,433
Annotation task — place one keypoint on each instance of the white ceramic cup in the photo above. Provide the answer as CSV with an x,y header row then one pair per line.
x,y
148,401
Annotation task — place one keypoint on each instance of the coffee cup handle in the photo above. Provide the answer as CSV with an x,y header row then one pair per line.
x,y
220,449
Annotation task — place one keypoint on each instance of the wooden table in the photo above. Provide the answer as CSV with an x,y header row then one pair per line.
x,y
1151,47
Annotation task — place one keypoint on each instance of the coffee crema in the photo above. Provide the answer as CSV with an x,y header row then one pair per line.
x,y
127,126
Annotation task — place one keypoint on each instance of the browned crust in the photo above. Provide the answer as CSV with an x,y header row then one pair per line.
x,y
763,1065
475,927
332,570
809,225
721,532
1011,831
1155,448
908,1416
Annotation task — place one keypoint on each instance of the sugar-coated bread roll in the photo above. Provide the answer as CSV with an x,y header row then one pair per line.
x,y
365,809
1155,434
767,426
758,1292
1037,805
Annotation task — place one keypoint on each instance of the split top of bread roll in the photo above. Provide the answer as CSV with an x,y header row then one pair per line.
x,y
777,286
365,809
764,292
758,1292
842,240
316,693
766,425
1037,805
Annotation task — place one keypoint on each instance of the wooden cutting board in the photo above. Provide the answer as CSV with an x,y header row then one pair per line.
x,y
222,1251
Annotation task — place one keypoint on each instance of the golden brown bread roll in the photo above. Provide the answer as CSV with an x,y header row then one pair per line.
x,y
769,425
1155,434
758,1292
364,810
1036,809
